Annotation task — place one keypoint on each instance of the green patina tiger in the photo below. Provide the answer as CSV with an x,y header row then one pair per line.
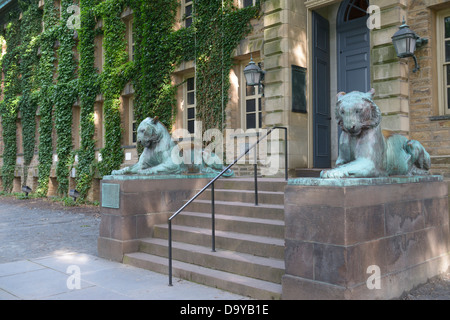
x,y
365,150
161,154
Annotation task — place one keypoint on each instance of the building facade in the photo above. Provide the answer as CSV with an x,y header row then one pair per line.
x,y
310,50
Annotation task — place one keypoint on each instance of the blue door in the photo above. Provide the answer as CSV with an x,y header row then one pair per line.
x,y
353,45
321,91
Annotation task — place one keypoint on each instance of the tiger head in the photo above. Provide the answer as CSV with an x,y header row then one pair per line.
x,y
356,111
150,132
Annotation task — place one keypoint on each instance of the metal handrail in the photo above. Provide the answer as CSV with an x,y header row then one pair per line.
x,y
211,183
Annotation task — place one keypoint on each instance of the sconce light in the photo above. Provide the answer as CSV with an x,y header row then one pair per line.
x,y
405,42
26,190
74,194
254,75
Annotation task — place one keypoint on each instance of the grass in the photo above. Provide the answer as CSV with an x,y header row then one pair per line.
x,y
66,201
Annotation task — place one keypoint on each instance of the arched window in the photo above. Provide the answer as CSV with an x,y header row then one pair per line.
x,y
355,9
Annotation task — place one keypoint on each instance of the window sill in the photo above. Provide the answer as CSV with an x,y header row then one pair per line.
x,y
439,118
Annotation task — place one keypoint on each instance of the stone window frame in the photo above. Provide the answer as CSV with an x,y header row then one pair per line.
x,y
443,88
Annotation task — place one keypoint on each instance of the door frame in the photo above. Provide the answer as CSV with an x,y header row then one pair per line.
x,y
321,119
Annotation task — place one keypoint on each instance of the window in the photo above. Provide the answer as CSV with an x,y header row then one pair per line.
x,y
188,10
99,125
76,120
252,112
443,50
133,125
190,104
99,54
130,39
248,3
356,9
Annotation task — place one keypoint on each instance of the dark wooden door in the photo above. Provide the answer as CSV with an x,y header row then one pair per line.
x,y
321,91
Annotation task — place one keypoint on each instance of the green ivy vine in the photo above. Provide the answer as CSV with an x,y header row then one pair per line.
x,y
33,54
9,104
30,29
154,94
65,97
116,73
219,27
88,88
46,95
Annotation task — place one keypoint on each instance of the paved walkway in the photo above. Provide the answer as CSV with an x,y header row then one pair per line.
x,y
75,276
51,254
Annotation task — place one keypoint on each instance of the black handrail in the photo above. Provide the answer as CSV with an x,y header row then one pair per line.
x,y
211,183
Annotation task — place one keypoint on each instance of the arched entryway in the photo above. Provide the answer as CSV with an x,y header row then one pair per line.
x,y
353,46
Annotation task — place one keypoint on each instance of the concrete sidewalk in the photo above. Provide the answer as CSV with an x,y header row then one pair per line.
x,y
75,276
40,240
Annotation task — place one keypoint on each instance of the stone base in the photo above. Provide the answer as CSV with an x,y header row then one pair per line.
x,y
364,238
132,205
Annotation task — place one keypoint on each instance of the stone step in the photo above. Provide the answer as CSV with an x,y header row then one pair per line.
x,y
245,243
243,209
264,184
255,288
255,226
268,269
269,197
308,173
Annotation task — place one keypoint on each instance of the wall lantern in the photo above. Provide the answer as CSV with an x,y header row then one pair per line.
x,y
26,190
405,42
74,194
253,73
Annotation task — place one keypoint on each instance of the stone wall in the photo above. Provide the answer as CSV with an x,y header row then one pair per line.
x,y
338,232
427,126
389,75
132,205
285,44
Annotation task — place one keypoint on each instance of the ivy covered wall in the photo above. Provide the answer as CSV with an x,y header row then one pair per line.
x,y
43,78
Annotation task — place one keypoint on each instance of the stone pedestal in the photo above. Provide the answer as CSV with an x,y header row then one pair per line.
x,y
131,205
364,238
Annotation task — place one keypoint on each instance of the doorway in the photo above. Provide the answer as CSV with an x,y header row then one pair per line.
x,y
340,61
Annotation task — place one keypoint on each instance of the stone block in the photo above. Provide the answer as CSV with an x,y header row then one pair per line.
x,y
384,54
315,224
330,264
383,36
391,88
364,223
142,203
303,255
403,217
338,230
432,212
389,71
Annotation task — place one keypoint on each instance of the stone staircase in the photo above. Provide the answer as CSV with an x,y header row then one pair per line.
x,y
249,257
